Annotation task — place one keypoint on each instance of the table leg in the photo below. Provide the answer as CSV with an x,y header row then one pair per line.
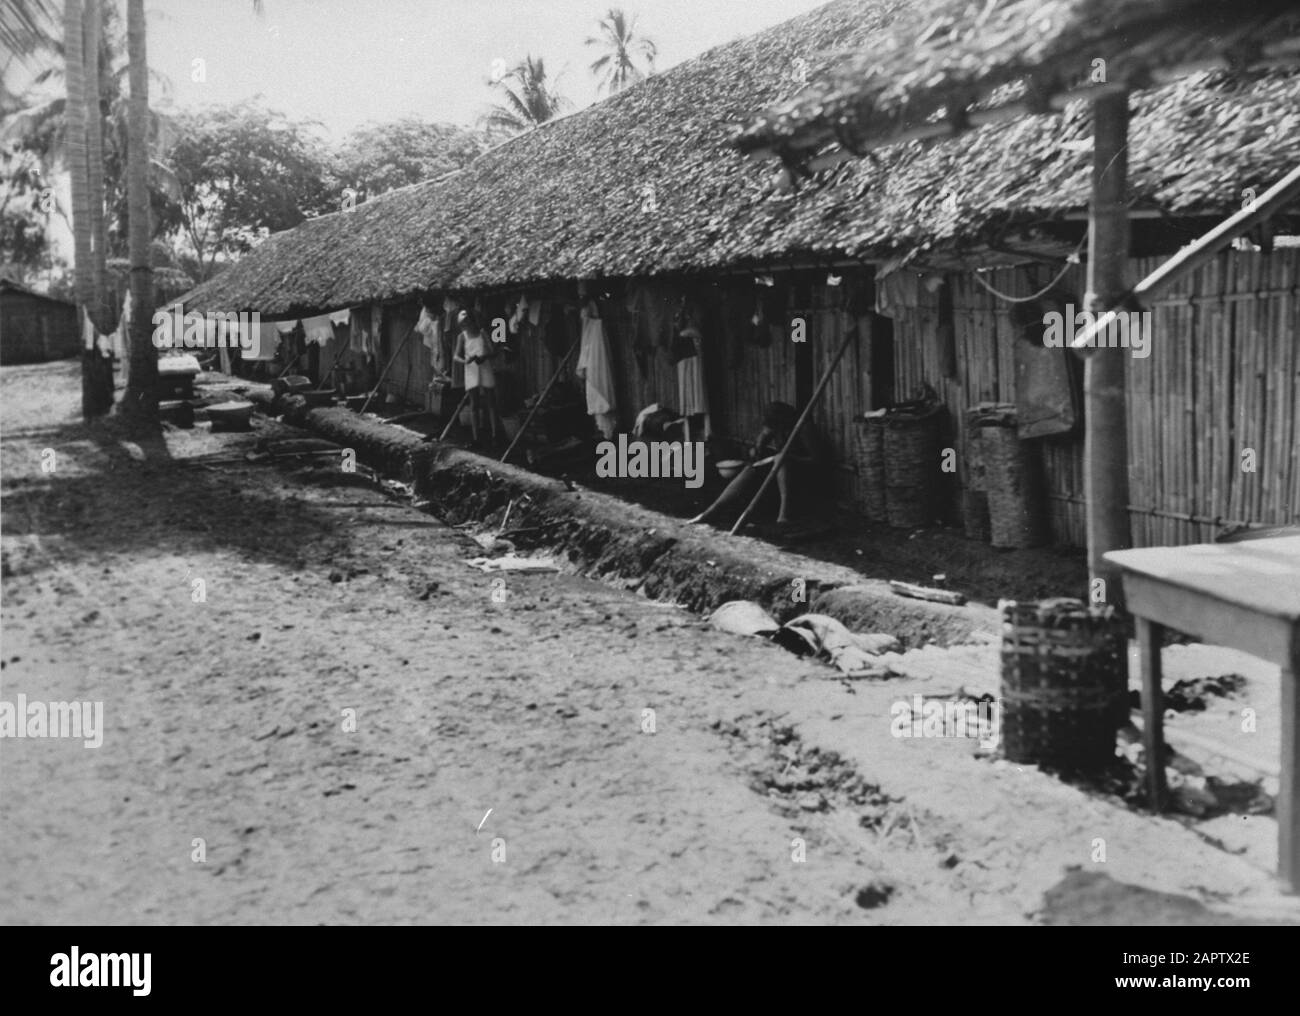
x,y
1149,636
1288,798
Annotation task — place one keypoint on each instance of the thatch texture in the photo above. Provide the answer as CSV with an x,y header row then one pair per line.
x,y
572,199
946,62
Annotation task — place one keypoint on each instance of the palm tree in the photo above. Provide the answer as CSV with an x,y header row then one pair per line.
x,y
84,150
141,399
617,67
530,98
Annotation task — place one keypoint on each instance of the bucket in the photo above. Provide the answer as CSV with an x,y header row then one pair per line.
x,y
1064,684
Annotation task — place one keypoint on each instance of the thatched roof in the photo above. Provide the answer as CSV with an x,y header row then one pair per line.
x,y
571,198
950,64
566,200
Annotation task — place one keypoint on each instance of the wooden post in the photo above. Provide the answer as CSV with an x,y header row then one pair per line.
x,y
850,334
1105,474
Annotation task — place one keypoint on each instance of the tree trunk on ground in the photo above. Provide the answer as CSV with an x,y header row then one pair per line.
x,y
96,370
141,400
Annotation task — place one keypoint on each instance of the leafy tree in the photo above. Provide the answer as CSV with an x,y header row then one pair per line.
x,y
529,98
244,171
382,157
617,67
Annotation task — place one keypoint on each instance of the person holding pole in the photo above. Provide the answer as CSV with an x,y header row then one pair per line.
x,y
475,351
802,467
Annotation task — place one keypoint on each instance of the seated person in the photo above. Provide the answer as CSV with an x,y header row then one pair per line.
x,y
803,466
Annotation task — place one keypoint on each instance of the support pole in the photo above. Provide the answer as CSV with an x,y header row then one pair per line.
x,y
338,357
540,399
1105,469
849,335
452,422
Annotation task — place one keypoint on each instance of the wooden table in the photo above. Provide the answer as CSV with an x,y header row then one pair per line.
x,y
1242,595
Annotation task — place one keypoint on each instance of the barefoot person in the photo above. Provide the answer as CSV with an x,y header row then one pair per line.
x,y
475,351
803,464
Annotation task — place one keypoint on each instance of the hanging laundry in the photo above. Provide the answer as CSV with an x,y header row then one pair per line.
x,y
691,393
430,328
341,317
517,317
319,329
265,339
286,327
595,368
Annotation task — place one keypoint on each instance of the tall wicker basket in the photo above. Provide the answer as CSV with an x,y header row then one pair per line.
x,y
912,467
869,450
1015,499
974,497
1064,684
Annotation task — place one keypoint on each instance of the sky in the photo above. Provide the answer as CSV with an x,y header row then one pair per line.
x,y
348,62
345,63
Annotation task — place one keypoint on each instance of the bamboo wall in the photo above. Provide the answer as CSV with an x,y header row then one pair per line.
x,y
1223,376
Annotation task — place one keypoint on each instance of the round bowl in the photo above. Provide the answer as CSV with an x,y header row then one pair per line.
x,y
729,468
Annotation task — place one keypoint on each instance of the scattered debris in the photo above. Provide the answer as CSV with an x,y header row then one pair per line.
x,y
810,635
926,593
512,563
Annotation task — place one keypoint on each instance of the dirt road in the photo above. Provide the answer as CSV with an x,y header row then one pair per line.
x,y
503,765
315,712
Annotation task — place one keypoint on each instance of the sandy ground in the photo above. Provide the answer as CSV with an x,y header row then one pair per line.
x,y
563,753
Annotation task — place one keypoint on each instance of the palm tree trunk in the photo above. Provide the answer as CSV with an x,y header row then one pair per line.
x,y
103,313
96,371
141,400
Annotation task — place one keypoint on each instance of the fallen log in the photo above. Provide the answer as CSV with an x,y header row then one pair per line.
x,y
926,593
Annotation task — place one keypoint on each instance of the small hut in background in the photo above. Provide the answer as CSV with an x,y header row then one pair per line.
x,y
35,327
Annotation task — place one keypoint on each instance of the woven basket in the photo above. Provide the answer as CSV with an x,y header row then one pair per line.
x,y
974,496
869,451
911,467
1014,494
1064,684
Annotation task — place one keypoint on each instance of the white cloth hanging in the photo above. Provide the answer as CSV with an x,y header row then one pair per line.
x,y
319,329
594,367
285,327
691,393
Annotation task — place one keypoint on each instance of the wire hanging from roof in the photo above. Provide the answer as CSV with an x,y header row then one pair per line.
x,y
1071,260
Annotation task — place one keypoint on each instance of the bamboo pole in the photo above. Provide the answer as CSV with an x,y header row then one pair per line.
x,y
459,406
392,360
849,335
1105,415
540,399
338,357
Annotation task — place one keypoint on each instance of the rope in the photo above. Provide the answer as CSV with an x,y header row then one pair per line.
x,y
1042,292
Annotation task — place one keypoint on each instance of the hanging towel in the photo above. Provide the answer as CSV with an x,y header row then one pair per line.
x,y
594,368
691,395
265,340
319,329
428,328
